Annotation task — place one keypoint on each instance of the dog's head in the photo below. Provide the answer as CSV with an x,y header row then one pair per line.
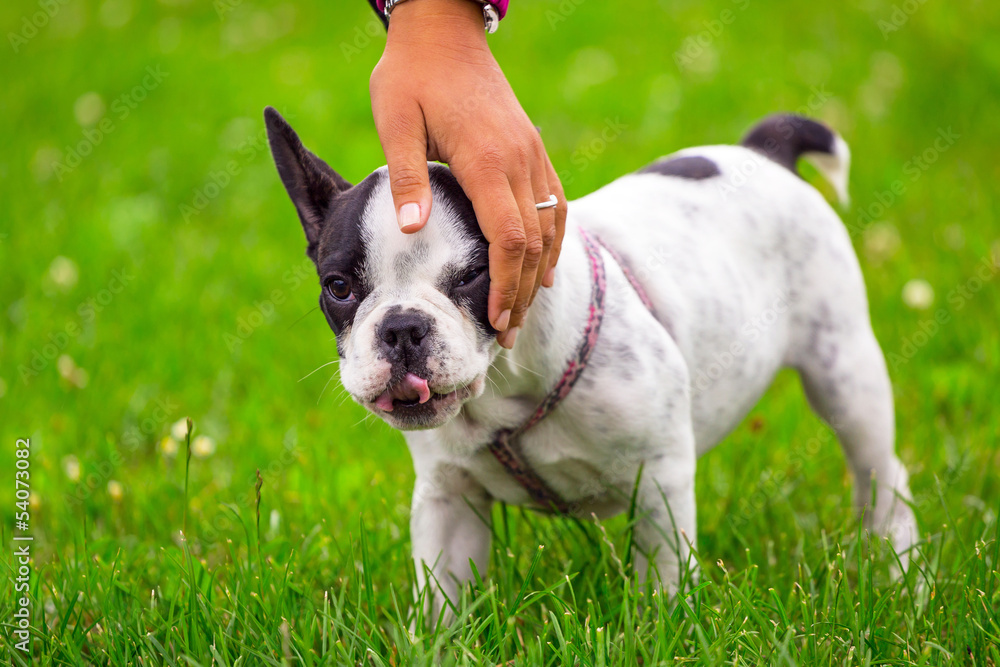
x,y
408,310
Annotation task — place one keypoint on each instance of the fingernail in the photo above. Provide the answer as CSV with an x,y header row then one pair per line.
x,y
507,338
409,216
503,321
549,279
511,337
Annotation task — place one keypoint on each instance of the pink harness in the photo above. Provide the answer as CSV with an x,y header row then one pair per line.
x,y
503,444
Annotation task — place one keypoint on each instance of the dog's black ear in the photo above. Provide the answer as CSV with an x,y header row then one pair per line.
x,y
310,182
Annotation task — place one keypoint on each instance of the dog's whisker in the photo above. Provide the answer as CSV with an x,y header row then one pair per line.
x,y
523,367
345,397
324,388
494,383
504,377
303,317
494,389
335,361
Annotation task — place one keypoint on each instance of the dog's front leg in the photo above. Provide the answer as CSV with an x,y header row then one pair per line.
x,y
449,527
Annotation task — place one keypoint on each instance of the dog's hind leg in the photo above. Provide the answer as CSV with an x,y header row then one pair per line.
x,y
666,528
845,379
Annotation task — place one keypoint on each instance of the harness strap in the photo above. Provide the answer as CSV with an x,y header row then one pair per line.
x,y
636,285
503,444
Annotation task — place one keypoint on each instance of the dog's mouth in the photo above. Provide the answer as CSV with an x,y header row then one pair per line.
x,y
411,393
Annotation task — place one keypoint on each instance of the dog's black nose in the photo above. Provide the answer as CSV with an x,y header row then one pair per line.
x,y
403,333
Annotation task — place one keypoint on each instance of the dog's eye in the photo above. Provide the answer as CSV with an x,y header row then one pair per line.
x,y
339,288
470,276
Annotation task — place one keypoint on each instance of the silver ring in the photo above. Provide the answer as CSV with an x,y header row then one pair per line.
x,y
551,203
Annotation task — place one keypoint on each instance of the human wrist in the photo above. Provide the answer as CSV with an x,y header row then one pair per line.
x,y
447,23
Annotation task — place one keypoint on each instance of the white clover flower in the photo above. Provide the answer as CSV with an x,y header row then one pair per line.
x,y
169,447
81,378
881,241
71,466
954,236
70,372
179,429
918,294
63,273
88,108
115,490
66,366
202,446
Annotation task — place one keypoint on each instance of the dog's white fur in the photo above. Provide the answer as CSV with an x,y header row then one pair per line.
x,y
461,361
747,274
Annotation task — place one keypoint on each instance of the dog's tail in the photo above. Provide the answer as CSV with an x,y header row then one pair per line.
x,y
785,138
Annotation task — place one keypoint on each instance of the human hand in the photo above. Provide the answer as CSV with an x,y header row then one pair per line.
x,y
438,94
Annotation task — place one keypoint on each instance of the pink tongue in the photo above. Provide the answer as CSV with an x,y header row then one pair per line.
x,y
409,388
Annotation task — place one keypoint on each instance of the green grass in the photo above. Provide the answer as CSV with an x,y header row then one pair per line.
x,y
309,563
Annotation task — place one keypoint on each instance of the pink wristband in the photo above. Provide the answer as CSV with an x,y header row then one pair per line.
x,y
501,6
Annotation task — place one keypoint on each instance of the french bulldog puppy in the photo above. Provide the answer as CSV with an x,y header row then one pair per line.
x,y
706,272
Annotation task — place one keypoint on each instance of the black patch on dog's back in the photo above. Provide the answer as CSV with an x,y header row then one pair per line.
x,y
694,167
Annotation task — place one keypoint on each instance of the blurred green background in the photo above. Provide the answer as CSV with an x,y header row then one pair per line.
x,y
153,268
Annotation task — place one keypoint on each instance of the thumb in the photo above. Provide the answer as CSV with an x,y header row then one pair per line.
x,y
404,142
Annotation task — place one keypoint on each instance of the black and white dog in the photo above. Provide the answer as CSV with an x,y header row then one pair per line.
x,y
680,291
